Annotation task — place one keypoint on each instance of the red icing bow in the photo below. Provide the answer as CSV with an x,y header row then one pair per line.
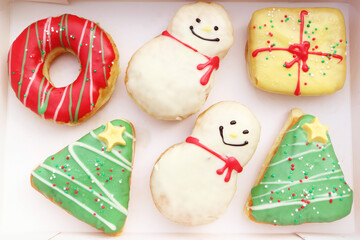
x,y
300,52
231,163
212,63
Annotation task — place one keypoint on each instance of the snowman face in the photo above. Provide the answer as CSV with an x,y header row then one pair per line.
x,y
230,129
205,27
233,134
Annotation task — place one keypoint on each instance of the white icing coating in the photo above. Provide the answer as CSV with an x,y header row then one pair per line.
x,y
211,15
184,183
162,77
221,114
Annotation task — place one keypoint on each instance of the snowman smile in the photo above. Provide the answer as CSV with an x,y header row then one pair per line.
x,y
221,130
206,39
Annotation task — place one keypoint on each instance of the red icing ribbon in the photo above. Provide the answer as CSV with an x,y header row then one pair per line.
x,y
212,63
231,163
300,52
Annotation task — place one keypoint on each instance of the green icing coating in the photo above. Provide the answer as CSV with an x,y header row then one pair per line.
x,y
303,183
89,182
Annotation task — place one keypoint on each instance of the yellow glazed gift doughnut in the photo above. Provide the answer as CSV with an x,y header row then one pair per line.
x,y
297,51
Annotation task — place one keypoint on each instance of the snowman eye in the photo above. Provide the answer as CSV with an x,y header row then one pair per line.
x,y
216,28
232,122
245,131
198,20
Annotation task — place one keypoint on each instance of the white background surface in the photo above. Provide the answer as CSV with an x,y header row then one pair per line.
x,y
29,139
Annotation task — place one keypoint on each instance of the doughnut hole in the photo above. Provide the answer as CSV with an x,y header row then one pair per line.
x,y
62,67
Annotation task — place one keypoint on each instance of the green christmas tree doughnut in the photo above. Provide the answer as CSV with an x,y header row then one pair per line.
x,y
301,180
90,178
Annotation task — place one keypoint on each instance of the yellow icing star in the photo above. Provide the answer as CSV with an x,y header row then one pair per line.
x,y
316,131
112,136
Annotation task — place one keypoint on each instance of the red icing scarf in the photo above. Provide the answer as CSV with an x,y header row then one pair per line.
x,y
213,62
231,163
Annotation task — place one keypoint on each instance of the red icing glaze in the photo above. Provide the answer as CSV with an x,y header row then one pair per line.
x,y
26,62
213,62
231,163
300,52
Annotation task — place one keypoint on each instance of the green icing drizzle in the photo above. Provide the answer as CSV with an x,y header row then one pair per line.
x,y
38,40
85,75
60,32
303,183
66,27
23,63
70,103
89,182
42,109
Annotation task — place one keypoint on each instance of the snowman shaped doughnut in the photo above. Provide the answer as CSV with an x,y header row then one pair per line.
x,y
193,182
171,76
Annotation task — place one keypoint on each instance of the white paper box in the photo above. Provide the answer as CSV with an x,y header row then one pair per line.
x,y
26,140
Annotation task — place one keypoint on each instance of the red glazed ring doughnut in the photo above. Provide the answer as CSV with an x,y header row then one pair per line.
x,y
39,44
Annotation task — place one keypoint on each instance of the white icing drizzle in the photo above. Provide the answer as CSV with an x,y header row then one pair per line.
x,y
109,224
292,202
116,153
303,181
325,173
31,81
129,135
296,183
300,124
298,155
60,104
121,157
47,25
82,36
295,144
94,136
76,158
44,35
54,170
